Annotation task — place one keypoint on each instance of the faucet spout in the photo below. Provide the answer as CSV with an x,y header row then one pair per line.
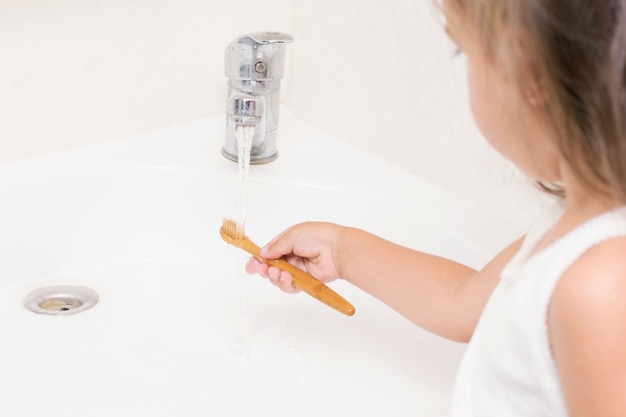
x,y
245,110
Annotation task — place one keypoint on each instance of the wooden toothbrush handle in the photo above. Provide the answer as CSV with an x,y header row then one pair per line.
x,y
305,281
314,287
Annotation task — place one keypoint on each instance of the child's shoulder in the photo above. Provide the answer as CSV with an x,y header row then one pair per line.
x,y
599,274
586,326
606,259
591,293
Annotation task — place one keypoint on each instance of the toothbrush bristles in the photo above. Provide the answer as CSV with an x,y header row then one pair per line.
x,y
233,229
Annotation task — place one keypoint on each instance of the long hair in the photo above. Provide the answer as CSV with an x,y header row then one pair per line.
x,y
578,57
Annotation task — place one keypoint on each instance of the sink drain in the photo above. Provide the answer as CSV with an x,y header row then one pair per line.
x,y
61,300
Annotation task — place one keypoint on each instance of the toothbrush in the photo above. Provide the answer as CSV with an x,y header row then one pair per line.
x,y
301,279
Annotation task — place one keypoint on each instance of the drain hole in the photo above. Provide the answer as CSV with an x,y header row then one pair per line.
x,y
61,304
61,300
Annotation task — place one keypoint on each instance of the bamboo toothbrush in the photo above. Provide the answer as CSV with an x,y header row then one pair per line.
x,y
301,279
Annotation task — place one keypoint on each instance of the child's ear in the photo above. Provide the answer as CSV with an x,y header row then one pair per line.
x,y
519,56
533,83
536,94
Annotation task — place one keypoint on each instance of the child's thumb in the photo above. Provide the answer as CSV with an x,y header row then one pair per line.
x,y
277,248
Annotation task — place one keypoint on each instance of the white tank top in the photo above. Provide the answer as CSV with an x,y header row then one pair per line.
x,y
508,369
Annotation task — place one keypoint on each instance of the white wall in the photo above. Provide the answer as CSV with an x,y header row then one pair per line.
x,y
378,74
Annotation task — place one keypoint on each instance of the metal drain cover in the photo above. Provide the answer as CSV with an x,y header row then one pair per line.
x,y
61,300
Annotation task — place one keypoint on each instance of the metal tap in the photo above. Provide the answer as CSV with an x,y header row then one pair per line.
x,y
254,65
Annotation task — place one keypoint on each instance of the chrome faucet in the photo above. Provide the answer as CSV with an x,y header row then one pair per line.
x,y
255,64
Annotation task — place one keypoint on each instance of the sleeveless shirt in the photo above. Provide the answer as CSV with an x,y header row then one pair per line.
x,y
508,369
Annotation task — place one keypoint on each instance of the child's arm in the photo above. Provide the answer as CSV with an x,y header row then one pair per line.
x,y
587,326
437,294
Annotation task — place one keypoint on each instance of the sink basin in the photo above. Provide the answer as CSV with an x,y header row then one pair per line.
x,y
179,329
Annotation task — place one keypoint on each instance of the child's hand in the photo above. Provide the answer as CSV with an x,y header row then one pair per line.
x,y
309,246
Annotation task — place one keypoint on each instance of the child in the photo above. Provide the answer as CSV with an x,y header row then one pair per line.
x,y
546,318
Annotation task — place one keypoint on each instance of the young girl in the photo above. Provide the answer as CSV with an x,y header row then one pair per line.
x,y
546,318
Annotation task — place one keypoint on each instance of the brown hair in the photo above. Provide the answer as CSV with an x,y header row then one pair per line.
x,y
578,59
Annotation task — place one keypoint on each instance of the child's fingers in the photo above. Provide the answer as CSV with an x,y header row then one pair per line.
x,y
284,281
273,274
254,266
278,277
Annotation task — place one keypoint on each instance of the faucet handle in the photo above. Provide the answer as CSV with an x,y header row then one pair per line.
x,y
258,56
274,38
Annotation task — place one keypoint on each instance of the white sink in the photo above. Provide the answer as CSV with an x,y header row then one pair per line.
x,y
179,329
